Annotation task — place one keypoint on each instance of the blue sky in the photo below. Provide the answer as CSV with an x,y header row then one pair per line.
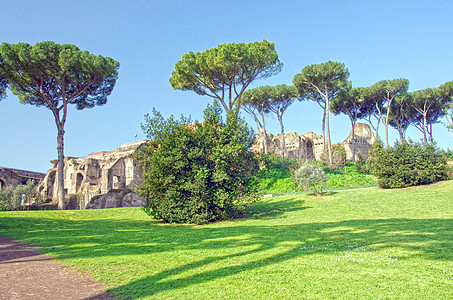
x,y
375,39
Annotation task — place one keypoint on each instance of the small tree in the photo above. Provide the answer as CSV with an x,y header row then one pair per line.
x,y
311,176
11,196
198,172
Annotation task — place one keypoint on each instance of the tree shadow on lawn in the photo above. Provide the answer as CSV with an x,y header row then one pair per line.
x,y
222,245
274,208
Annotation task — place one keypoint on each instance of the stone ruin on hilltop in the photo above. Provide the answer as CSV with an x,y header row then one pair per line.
x,y
100,180
105,179
310,146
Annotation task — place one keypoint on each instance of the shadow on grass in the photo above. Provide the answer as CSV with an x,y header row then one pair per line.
x,y
254,246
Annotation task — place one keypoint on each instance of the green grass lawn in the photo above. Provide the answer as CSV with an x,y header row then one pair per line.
x,y
358,243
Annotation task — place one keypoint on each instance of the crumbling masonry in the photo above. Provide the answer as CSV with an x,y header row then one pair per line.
x,y
98,174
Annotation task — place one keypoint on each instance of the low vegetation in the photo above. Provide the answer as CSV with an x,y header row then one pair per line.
x,y
355,243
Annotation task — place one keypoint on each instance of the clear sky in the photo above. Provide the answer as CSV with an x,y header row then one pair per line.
x,y
376,40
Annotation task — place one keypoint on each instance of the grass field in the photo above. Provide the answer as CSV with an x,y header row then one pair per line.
x,y
359,243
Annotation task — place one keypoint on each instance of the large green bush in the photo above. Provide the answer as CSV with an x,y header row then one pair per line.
x,y
198,172
408,164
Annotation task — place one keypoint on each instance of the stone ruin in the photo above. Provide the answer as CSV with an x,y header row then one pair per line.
x,y
106,179
17,177
98,174
310,146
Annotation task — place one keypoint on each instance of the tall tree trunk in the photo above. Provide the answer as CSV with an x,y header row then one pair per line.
x,y
60,168
329,143
400,131
387,123
324,129
424,129
283,137
353,140
265,133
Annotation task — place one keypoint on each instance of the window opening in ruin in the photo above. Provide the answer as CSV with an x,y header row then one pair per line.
x,y
116,182
2,184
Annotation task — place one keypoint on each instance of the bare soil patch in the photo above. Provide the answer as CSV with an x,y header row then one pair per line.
x,y
25,273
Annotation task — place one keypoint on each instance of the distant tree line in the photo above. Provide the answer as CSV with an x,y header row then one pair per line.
x,y
225,72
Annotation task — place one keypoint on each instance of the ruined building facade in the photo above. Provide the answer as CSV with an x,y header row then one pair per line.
x,y
96,174
310,146
15,177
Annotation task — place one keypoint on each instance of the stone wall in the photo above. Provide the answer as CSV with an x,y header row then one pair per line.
x,y
96,174
311,146
16,177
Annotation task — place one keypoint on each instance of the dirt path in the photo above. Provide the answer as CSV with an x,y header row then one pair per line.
x,y
27,274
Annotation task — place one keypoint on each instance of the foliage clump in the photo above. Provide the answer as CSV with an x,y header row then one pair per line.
x,y
408,164
311,176
11,196
197,172
338,156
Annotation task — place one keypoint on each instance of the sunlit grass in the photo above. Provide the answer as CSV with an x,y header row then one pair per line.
x,y
390,244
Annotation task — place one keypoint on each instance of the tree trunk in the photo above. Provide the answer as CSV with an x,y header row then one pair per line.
x,y
60,169
425,139
283,137
400,131
329,143
265,133
324,129
353,140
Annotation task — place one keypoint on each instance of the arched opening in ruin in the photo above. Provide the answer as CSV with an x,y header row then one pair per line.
x,y
79,180
117,175
2,184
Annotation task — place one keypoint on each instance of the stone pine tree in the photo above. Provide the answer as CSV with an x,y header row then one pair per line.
x,y
401,113
373,108
280,98
54,76
3,83
256,103
351,103
224,72
322,83
429,107
385,91
446,94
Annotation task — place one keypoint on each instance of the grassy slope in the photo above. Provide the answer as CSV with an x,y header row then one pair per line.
x,y
277,179
358,243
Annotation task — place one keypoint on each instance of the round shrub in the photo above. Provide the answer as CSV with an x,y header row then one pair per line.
x,y
311,176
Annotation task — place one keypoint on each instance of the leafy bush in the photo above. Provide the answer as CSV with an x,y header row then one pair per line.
x,y
311,176
11,197
360,165
408,164
199,172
